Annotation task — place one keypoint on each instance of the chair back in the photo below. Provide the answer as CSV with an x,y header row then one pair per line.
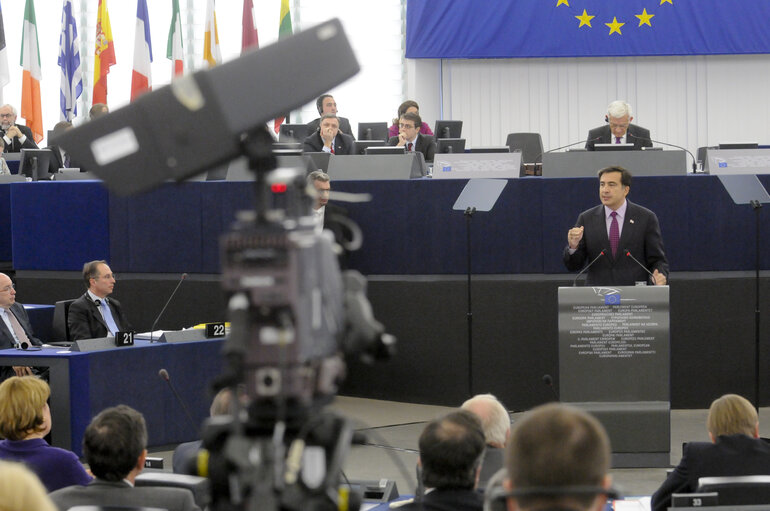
x,y
529,144
737,490
60,330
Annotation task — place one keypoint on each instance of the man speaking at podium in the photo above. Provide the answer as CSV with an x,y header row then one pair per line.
x,y
619,240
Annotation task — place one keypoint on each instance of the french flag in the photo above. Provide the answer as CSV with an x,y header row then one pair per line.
x,y
141,80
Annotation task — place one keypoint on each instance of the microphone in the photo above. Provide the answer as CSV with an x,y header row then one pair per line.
x,y
628,253
167,378
574,282
152,328
595,139
549,381
694,163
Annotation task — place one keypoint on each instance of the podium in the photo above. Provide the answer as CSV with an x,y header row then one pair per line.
x,y
614,363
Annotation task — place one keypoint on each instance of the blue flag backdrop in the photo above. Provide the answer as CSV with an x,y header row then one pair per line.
x,y
585,28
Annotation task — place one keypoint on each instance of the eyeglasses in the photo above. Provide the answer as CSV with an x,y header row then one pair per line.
x,y
6,115
404,125
613,125
108,276
7,289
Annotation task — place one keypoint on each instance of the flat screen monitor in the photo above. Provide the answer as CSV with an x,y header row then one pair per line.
x,y
739,146
613,147
373,131
385,149
361,145
292,132
501,149
287,148
34,163
450,145
448,129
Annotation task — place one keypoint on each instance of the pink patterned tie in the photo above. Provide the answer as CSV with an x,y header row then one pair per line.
x,y
617,140
614,233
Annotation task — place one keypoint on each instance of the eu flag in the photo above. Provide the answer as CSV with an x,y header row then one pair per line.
x,y
585,28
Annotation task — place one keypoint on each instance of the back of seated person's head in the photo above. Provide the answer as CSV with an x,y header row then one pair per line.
x,y
21,490
22,400
495,420
222,404
451,450
732,414
557,446
114,441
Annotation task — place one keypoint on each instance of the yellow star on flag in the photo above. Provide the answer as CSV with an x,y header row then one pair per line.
x,y
644,18
615,26
585,19
663,2
566,2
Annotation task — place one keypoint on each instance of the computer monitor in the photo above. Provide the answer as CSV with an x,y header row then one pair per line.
x,y
739,146
287,147
361,145
450,145
34,163
448,129
289,132
501,149
12,160
373,131
613,147
385,149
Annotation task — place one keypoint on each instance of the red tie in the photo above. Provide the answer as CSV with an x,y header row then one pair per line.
x,y
332,148
409,147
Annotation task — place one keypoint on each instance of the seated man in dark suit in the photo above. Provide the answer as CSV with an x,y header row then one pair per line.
x,y
735,450
496,424
619,129
114,445
409,136
451,450
59,158
554,450
15,328
326,105
15,136
93,315
328,138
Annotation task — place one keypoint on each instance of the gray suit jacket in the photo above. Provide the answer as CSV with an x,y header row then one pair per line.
x,y
106,493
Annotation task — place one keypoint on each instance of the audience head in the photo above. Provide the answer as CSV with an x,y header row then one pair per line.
x,y
732,414
7,291
98,110
222,404
7,116
407,106
557,446
60,127
24,408
114,443
326,105
21,490
321,181
451,451
99,278
409,124
494,418
619,116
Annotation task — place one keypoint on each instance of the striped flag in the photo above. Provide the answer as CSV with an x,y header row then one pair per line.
x,y
174,50
141,77
211,53
31,108
69,61
284,30
104,56
5,74
249,36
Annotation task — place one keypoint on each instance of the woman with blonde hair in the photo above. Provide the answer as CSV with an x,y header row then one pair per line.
x,y
25,420
21,490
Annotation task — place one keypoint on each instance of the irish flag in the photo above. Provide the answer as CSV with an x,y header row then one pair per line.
x,y
104,57
31,109
174,50
141,79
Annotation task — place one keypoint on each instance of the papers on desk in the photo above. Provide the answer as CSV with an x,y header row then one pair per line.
x,y
145,336
632,504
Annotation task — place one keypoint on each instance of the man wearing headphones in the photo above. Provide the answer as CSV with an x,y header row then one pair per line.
x,y
619,129
326,105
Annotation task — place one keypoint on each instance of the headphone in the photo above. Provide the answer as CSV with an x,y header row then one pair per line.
x,y
319,103
26,346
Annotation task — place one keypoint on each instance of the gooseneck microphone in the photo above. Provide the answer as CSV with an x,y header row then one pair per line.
x,y
548,380
694,163
602,253
154,323
629,254
167,378
539,156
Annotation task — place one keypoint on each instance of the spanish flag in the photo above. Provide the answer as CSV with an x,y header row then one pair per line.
x,y
31,108
104,57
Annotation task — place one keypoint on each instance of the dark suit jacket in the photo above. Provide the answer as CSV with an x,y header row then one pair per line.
x,y
731,455
334,220
448,500
636,135
640,234
56,162
494,459
425,144
16,146
344,126
86,322
343,144
106,493
6,338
